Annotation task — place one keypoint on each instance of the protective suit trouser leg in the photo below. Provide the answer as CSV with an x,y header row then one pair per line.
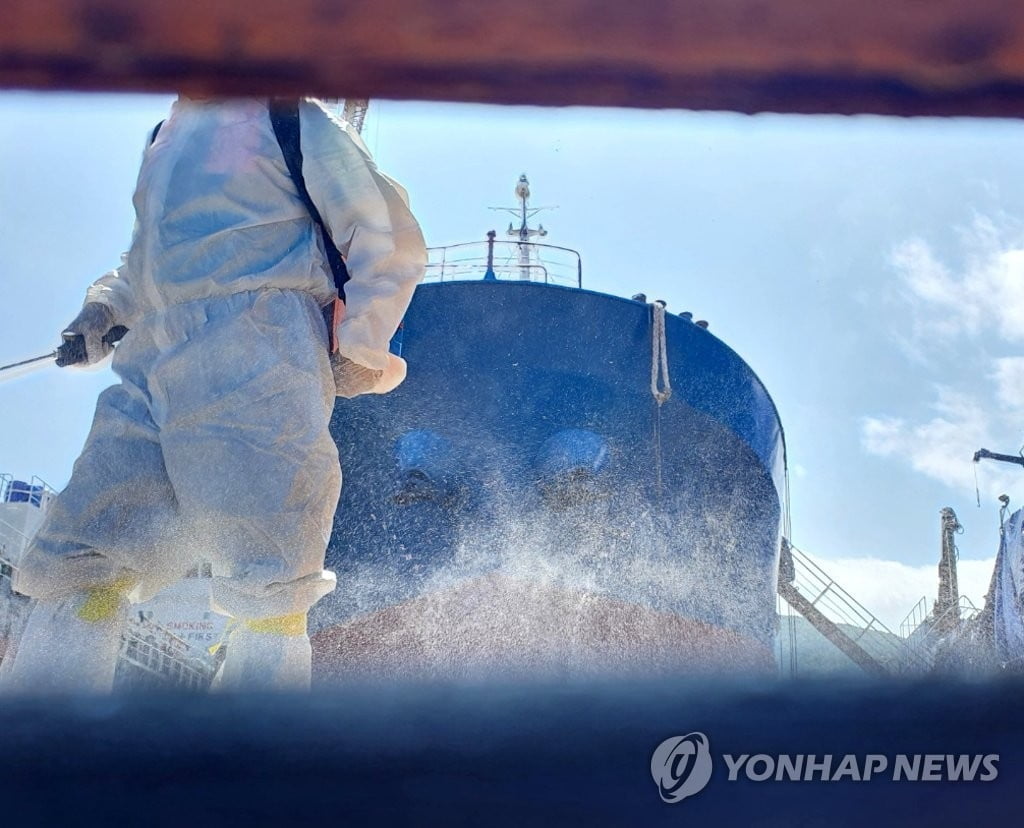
x,y
269,654
256,472
117,513
70,644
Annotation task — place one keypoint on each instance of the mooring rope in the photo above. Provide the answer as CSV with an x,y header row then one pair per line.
x,y
661,387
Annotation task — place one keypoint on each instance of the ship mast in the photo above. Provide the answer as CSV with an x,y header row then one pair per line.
x,y
351,110
355,112
527,255
525,232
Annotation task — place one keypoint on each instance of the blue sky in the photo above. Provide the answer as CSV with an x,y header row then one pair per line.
x,y
870,270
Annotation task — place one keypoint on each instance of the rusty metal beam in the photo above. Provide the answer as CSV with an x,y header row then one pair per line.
x,y
941,57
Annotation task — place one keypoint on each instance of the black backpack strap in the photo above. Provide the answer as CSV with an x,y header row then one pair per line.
x,y
284,118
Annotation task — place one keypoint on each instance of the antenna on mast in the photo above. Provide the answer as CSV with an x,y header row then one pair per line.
x,y
528,258
355,112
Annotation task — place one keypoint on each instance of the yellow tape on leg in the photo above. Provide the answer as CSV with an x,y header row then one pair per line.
x,y
281,624
102,602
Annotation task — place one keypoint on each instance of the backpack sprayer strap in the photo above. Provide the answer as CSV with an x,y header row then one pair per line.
x,y
284,118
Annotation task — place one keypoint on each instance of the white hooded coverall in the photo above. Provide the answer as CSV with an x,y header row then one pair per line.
x,y
215,444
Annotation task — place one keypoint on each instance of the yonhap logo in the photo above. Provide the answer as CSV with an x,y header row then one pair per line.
x,y
681,766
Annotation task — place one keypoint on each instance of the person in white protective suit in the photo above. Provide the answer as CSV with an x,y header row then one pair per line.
x,y
215,443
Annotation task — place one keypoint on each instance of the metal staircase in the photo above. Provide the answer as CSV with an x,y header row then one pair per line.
x,y
838,616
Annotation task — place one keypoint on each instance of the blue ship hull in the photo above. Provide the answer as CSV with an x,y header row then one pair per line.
x,y
526,454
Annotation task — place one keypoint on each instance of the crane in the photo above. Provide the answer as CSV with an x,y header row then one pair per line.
x,y
985,454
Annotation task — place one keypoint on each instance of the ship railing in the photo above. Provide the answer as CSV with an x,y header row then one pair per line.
x,y
6,528
506,261
8,536
921,619
860,624
6,567
35,491
962,611
146,628
915,618
165,666
926,635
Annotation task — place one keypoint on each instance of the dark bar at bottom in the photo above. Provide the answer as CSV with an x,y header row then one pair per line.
x,y
483,754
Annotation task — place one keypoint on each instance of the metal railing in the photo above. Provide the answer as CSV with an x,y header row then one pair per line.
x,y
151,655
924,632
915,618
505,261
162,663
35,491
856,622
6,527
9,541
919,616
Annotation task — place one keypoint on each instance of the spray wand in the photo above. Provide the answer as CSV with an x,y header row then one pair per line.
x,y
71,352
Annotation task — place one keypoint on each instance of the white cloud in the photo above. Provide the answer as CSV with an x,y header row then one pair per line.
x,y
1009,379
925,276
883,435
942,447
1006,282
986,294
983,301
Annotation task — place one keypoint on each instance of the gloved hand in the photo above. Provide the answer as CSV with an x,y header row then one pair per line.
x,y
352,379
93,323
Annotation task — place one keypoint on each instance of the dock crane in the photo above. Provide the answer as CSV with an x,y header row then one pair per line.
x,y
985,454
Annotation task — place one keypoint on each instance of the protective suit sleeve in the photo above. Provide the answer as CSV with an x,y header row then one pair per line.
x,y
114,290
370,221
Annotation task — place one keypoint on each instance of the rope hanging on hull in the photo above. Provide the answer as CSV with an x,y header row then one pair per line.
x,y
661,387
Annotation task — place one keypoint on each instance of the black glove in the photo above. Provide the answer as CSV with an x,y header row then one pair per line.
x,y
90,337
